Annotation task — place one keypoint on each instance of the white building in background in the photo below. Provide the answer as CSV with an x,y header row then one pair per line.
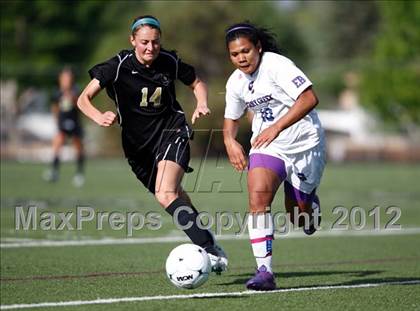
x,y
28,126
347,129
354,134
35,120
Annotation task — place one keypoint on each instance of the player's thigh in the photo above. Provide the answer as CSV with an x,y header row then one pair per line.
x,y
262,187
291,204
168,178
305,177
77,143
58,140
296,201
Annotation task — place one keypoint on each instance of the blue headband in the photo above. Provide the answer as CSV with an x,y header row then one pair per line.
x,y
145,21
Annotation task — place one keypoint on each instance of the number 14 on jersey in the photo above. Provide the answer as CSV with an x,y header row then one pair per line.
x,y
155,98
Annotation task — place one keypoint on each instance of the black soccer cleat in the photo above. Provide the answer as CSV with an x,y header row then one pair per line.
x,y
316,212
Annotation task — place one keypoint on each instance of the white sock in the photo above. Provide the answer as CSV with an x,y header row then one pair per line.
x,y
260,228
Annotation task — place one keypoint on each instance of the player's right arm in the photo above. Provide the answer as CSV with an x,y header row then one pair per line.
x,y
84,103
234,149
234,109
55,110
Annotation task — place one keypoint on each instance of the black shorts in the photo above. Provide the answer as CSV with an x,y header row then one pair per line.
x,y
70,127
173,146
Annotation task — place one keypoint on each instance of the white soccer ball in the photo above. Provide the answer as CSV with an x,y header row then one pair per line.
x,y
188,266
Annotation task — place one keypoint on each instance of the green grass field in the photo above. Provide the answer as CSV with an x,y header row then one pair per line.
x,y
355,268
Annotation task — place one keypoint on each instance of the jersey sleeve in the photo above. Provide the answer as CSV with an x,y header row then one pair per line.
x,y
186,73
105,72
289,77
235,106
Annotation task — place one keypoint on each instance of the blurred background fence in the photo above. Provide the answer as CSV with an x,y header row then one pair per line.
x,y
363,57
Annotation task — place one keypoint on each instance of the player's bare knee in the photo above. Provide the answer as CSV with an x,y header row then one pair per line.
x,y
260,198
165,197
258,202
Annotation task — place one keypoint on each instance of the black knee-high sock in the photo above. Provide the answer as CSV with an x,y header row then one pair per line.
x,y
56,163
80,163
187,214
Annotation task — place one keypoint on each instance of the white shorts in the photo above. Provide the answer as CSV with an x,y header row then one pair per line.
x,y
304,169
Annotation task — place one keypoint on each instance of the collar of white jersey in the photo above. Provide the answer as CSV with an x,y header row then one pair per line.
x,y
253,75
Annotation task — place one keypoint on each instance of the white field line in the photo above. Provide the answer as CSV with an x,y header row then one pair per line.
x,y
19,243
202,295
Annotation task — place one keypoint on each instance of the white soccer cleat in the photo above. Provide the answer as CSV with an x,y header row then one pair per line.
x,y
50,175
78,180
218,258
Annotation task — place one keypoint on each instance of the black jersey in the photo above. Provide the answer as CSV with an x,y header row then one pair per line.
x,y
68,114
145,96
67,105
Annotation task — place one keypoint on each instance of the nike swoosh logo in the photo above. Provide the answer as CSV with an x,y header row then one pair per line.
x,y
134,72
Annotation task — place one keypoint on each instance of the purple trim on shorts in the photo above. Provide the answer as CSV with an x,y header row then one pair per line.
x,y
269,162
297,195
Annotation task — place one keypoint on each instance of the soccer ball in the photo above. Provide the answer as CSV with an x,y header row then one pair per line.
x,y
188,266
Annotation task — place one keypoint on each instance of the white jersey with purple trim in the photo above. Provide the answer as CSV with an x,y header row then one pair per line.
x,y
269,93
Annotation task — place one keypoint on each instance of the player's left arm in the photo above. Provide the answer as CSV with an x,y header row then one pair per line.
x,y
200,92
55,109
306,101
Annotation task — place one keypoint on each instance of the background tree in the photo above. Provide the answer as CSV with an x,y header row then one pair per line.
x,y
390,85
39,37
339,35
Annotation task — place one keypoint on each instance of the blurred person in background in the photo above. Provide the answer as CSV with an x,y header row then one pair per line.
x,y
64,108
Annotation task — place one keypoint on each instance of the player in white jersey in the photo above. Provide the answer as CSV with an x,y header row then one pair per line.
x,y
287,141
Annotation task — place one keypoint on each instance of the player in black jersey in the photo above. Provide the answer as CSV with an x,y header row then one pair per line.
x,y
155,133
64,108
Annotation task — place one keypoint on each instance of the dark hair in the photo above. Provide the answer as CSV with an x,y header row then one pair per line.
x,y
67,68
149,20
254,34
